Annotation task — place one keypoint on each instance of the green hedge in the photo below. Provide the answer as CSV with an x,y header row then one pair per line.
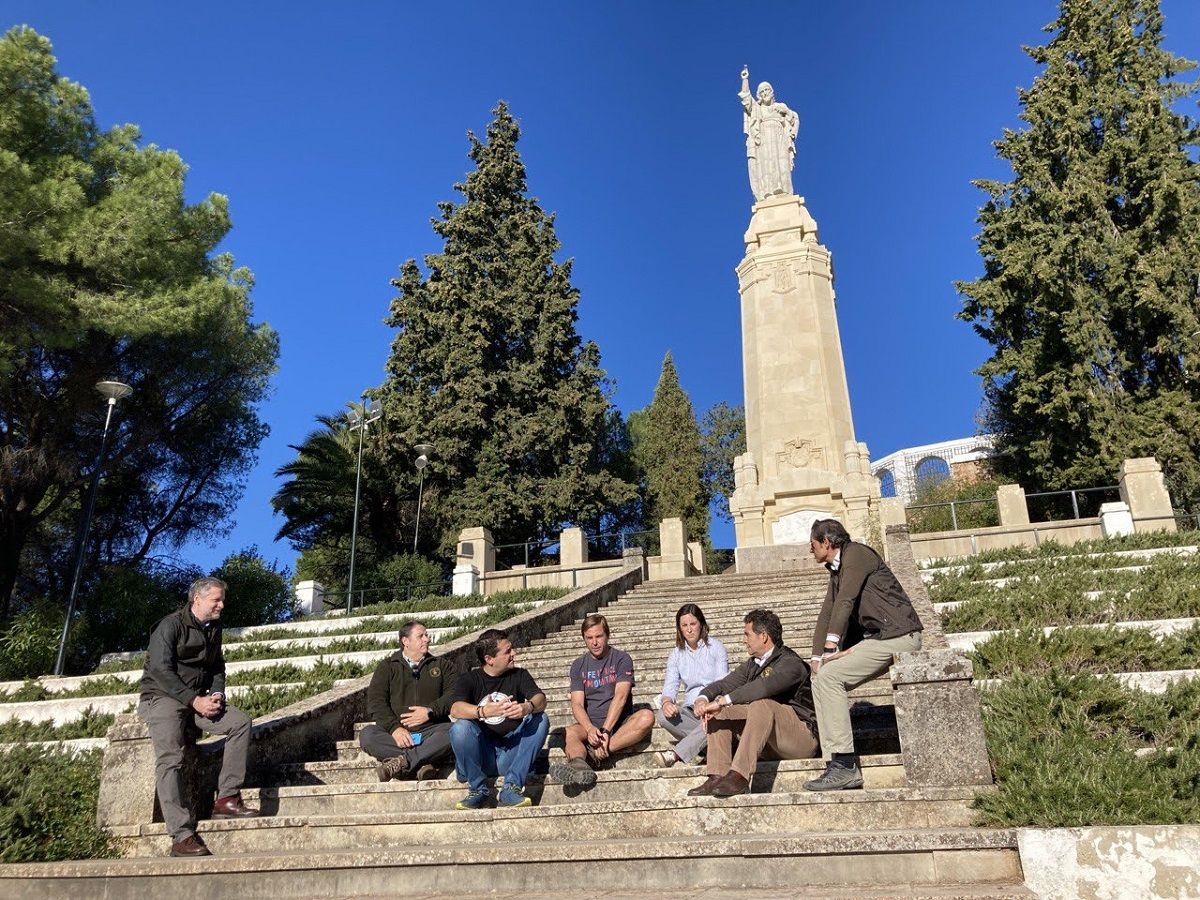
x,y
90,724
48,806
1085,650
1063,750
1142,541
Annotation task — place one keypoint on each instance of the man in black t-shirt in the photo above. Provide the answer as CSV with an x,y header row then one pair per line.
x,y
500,724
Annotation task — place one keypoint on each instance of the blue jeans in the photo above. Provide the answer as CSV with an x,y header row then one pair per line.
x,y
480,753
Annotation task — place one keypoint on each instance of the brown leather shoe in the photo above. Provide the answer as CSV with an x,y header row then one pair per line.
x,y
731,785
192,845
232,807
706,789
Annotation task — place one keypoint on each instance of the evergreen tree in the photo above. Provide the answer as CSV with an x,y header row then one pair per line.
x,y
722,439
666,447
1089,291
487,367
106,272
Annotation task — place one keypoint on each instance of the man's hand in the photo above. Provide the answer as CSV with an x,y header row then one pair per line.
x,y
705,708
495,708
403,737
210,707
670,708
415,717
594,737
514,709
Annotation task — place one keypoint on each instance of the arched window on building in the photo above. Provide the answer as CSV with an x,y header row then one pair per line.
x,y
887,483
931,470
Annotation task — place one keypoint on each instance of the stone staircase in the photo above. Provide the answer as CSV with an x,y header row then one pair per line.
x,y
330,828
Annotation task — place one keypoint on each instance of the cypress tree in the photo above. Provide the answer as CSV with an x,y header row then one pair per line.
x,y
666,447
487,366
1089,291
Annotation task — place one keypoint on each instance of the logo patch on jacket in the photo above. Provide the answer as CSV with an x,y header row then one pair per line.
x,y
435,672
766,673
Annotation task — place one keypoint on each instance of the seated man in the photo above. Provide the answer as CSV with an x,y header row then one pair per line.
x,y
183,688
602,704
409,701
865,620
500,724
764,702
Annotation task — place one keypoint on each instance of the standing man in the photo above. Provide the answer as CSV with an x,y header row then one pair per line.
x,y
409,702
500,724
183,688
602,704
764,702
866,619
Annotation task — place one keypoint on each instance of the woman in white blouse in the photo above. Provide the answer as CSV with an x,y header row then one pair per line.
x,y
697,661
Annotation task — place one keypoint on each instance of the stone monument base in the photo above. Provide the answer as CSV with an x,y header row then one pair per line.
x,y
774,558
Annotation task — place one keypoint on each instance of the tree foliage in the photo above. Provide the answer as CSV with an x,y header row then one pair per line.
x,y
106,272
1089,291
666,448
722,439
487,367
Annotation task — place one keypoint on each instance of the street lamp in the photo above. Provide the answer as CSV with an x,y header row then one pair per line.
x,y
423,452
112,391
360,417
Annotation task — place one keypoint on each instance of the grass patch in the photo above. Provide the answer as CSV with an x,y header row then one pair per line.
x,y
1085,650
89,725
1062,749
48,806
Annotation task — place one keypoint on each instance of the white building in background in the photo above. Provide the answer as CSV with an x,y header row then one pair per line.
x,y
899,472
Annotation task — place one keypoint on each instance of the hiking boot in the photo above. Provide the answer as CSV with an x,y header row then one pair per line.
x,y
513,797
427,772
838,776
192,845
392,768
574,771
474,800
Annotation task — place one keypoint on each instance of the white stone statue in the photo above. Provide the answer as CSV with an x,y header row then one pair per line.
x,y
771,130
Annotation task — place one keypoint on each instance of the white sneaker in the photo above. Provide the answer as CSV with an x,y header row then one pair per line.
x,y
664,759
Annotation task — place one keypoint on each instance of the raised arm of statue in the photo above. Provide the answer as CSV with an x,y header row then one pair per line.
x,y
744,95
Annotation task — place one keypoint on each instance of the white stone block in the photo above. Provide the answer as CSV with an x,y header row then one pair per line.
x,y
310,597
466,581
1116,520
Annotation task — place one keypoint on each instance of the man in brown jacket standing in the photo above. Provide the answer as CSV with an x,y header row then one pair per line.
x,y
764,702
866,619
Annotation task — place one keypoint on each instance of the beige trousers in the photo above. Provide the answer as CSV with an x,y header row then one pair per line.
x,y
757,725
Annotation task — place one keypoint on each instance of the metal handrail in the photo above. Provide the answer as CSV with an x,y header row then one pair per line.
x,y
952,504
1074,498
409,589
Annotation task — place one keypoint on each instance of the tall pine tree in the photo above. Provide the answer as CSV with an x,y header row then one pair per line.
x,y
1089,291
666,448
487,367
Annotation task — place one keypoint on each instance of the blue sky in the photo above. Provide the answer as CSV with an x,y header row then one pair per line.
x,y
335,129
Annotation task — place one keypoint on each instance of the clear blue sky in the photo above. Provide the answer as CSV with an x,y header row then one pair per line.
x,y
335,128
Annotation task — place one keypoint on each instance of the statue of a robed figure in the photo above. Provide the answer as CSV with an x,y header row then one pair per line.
x,y
771,130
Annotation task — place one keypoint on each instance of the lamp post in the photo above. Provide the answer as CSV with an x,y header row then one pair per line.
x,y
423,451
112,391
360,417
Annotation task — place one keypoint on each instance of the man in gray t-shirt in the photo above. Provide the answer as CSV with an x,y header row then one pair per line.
x,y
602,705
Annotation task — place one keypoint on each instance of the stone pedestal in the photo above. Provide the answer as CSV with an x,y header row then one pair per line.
x,y
802,461
310,598
466,581
476,547
1014,509
1142,487
672,561
939,720
1115,520
572,547
126,794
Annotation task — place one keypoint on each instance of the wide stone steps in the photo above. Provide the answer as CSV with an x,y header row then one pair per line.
x,y
612,786
863,810
889,861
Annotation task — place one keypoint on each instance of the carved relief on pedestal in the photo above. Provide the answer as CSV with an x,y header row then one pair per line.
x,y
782,278
801,453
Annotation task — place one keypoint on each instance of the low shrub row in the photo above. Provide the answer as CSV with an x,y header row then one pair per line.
x,y
1063,750
1141,541
90,724
508,598
1085,650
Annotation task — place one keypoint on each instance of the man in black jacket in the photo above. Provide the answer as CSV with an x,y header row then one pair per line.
x,y
765,702
183,688
409,701
865,620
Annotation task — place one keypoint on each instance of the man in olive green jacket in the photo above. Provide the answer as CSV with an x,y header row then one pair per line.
x,y
865,620
409,702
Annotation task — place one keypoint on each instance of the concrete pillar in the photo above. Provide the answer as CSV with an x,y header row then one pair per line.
x,y
891,512
477,548
1014,511
696,555
572,547
903,564
126,795
939,720
310,598
466,581
1115,520
634,558
1142,487
672,537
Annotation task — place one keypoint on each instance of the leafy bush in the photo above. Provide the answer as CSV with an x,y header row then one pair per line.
x,y
48,806
259,592
89,725
29,644
975,505
1085,650
1062,747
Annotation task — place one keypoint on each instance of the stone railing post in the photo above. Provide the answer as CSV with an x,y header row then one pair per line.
x,y
1142,487
572,547
673,559
904,566
635,558
696,555
1014,510
310,597
127,781
475,557
939,720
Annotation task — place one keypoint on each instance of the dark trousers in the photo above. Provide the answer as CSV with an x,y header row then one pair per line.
x,y
433,749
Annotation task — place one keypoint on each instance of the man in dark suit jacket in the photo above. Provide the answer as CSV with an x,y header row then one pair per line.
x,y
865,620
765,702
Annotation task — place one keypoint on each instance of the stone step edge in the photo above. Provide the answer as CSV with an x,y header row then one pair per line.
x,y
950,794
800,844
